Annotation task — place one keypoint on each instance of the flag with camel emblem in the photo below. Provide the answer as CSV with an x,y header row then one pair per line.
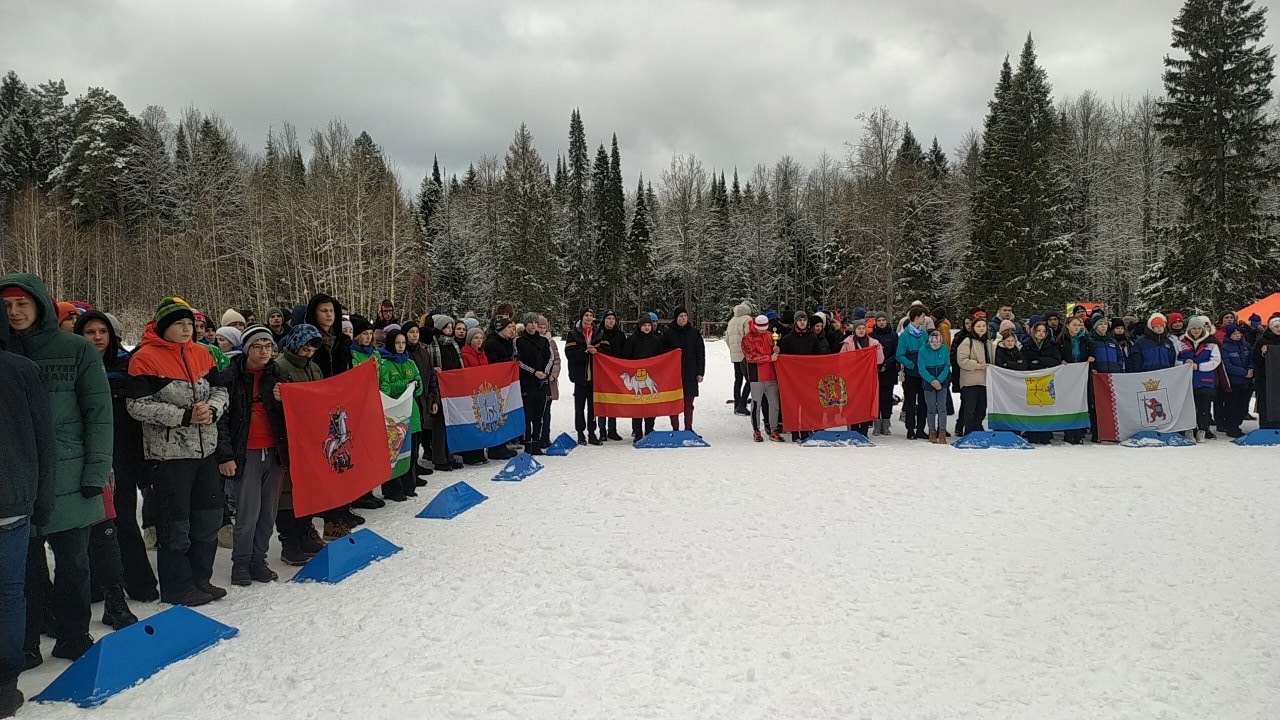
x,y
638,388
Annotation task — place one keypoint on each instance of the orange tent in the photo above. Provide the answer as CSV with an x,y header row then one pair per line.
x,y
1264,308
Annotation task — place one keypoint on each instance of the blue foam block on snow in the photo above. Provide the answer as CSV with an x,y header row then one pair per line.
x,y
988,439
672,439
126,657
1259,438
1151,438
837,438
561,446
452,501
517,469
344,557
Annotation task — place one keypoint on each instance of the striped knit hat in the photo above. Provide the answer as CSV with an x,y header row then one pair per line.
x,y
171,310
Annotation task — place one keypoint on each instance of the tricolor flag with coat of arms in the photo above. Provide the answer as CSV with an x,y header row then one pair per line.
x,y
482,405
1038,400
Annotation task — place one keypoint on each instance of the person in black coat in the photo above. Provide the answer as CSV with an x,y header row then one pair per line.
x,y
611,342
533,352
800,341
334,354
579,346
888,376
645,343
1040,353
499,347
681,335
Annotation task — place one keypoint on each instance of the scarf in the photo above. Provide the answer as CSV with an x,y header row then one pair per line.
x,y
394,357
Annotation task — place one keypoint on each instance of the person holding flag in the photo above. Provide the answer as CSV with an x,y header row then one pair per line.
x,y
582,343
396,372
759,353
642,345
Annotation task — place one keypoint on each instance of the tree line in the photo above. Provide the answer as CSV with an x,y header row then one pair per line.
x,y
1143,203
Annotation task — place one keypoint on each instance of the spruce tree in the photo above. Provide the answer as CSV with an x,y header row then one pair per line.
x,y
1222,251
615,230
93,172
639,254
429,196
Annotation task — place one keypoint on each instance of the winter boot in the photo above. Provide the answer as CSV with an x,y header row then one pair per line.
x,y
240,576
1208,435
291,554
334,529
259,571
367,501
195,597
933,436
310,541
32,659
943,438
757,437
11,699
351,519
115,609
884,427
582,438
72,648
613,435
210,589
593,440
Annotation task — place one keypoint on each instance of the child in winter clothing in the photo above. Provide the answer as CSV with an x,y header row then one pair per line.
x,y
759,353
1237,357
299,541
1008,352
1074,348
553,377
533,352
643,344
396,371
911,339
1201,352
1040,353
362,347
888,375
973,355
934,361
860,339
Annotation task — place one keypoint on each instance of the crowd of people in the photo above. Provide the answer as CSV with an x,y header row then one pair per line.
x,y
931,360
186,429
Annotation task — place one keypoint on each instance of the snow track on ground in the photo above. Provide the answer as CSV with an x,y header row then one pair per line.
x,y
751,580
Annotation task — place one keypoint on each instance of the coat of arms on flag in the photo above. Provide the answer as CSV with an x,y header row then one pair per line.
x,y
651,387
641,383
1152,401
1040,391
832,391
487,407
481,405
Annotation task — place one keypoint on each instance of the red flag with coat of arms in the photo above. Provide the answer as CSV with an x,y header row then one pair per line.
x,y
826,391
337,439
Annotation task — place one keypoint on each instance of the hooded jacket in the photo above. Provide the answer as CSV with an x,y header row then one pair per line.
x,y
738,327
1153,351
576,351
126,457
334,354
693,353
757,352
165,380
80,403
1206,356
26,424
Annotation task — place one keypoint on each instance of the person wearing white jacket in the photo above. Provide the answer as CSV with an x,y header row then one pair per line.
x,y
738,326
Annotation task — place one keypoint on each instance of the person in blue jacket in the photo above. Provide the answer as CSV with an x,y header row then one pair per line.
x,y
1154,350
934,364
1105,348
910,341
1237,358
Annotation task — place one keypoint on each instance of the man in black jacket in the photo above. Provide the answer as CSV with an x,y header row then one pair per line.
x,y
799,342
499,347
612,341
579,348
533,352
334,354
26,499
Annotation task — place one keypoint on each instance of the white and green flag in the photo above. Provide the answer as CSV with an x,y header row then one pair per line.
x,y
398,412
1038,400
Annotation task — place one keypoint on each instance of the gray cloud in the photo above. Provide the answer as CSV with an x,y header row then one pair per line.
x,y
736,83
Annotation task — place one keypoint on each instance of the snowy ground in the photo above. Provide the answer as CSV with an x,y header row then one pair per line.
x,y
773,581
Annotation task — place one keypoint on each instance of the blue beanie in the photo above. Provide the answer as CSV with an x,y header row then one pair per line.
x,y
653,316
859,313
300,335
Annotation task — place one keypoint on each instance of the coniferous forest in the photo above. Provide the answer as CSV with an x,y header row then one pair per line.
x,y
1164,201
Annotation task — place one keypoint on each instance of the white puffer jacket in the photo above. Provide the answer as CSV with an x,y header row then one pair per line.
x,y
737,330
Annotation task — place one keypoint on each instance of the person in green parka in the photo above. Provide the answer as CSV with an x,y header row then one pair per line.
x,y
80,400
396,370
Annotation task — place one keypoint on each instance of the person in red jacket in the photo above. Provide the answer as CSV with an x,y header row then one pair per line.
x,y
760,353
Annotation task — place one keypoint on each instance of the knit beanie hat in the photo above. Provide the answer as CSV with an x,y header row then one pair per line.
x,y
761,323
231,335
787,317
255,332
171,310
529,319
859,313
1117,323
1200,321
346,325
471,323
299,336
653,317
1007,325
359,324
880,315
607,314
1157,320
1255,320
440,321
231,316
1175,317
393,326
1230,329
66,310
500,323
472,333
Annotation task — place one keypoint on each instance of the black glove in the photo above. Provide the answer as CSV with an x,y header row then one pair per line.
x,y
90,492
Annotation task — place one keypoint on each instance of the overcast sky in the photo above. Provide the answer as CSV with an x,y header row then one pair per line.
x,y
736,83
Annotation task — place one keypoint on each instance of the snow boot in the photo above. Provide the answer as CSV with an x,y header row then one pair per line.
x,y
613,435
195,597
310,542
368,501
351,519
11,699
582,438
259,571
757,437
73,648
884,427
933,436
115,609
210,589
593,440
240,576
1208,435
292,555
334,529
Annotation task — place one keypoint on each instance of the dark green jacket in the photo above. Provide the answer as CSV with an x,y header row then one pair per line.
x,y
27,466
80,400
